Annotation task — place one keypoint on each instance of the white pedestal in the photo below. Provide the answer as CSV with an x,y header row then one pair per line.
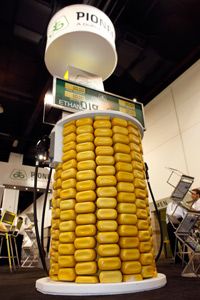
x,y
48,286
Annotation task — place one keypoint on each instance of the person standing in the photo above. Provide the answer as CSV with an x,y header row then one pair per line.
x,y
195,195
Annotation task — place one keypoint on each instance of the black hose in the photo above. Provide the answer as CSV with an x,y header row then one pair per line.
x,y
41,254
157,213
44,209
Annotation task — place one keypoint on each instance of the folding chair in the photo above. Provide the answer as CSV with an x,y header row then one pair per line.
x,y
13,235
8,220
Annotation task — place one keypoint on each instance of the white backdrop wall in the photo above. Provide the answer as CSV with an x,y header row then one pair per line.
x,y
172,138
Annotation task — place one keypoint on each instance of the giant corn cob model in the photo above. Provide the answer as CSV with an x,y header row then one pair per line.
x,y
101,228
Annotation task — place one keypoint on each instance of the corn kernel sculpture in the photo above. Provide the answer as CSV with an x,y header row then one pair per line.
x,y
101,228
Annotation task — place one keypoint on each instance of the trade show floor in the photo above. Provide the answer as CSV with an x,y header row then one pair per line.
x,y
21,285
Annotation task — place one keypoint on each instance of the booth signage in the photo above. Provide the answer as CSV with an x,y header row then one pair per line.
x,y
75,97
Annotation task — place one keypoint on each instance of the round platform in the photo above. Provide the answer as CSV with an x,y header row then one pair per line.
x,y
48,286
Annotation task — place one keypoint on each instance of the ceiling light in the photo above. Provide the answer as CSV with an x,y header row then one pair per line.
x,y
1,109
134,100
26,189
14,187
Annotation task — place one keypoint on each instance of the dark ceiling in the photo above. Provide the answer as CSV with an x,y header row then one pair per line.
x,y
156,41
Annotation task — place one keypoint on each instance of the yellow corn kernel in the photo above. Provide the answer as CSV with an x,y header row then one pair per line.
x,y
143,235
139,183
108,250
132,277
55,223
141,194
103,132
84,138
143,224
122,157
66,249
131,267
106,214
140,203
84,121
126,208
69,138
135,147
54,203
104,150
148,271
120,138
105,170
66,215
66,261
57,174
85,175
145,246
138,166
58,200
103,141
67,174
86,165
85,255
133,130
56,193
58,183
124,176
86,268
142,213
85,207
72,163
54,245
110,276
134,139
84,219
67,204
87,279
84,129
121,148
85,155
66,274
85,230
86,196
126,197
55,234
136,156
127,230
67,226
85,185
120,130
69,183
68,194
107,225
129,254
125,187
106,202
109,191
119,122
107,180
54,185
109,263
56,213
102,124
146,259
69,129
127,219
85,243
54,268
107,237
69,155
122,166
54,256
53,277
89,146
67,237
59,166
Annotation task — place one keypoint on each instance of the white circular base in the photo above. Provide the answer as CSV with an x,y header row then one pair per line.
x,y
48,286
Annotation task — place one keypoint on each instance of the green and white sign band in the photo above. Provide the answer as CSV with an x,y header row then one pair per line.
x,y
74,97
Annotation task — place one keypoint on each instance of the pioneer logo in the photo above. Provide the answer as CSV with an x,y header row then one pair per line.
x,y
86,16
18,174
